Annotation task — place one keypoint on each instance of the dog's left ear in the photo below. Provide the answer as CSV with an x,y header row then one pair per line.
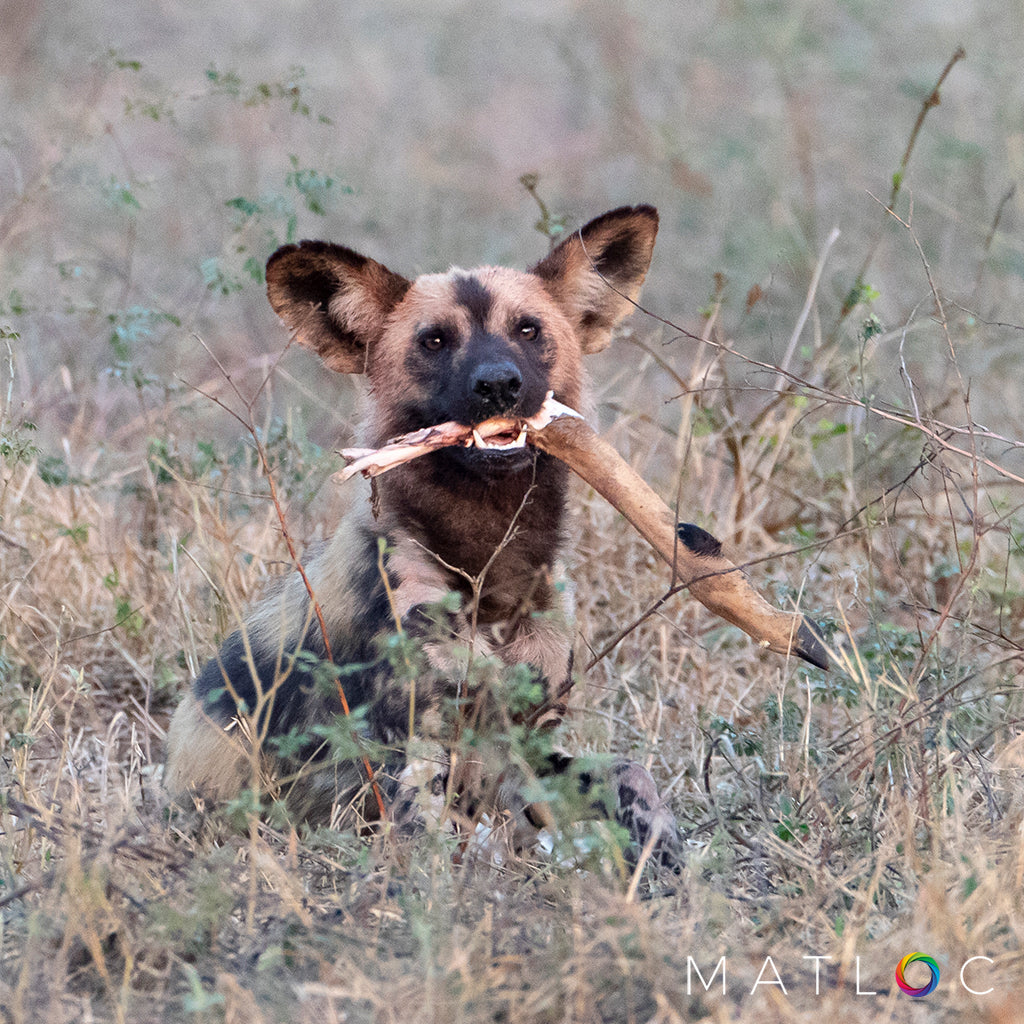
x,y
333,300
595,275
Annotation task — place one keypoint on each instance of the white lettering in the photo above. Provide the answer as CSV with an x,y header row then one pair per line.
x,y
691,964
817,971
974,991
858,982
778,981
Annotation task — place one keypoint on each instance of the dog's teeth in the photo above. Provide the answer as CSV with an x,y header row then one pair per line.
x,y
496,445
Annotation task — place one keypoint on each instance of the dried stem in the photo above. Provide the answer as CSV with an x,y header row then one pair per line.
x,y
931,100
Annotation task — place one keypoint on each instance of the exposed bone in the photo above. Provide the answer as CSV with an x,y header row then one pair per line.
x,y
560,431
373,461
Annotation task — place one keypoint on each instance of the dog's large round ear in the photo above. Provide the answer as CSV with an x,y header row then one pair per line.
x,y
596,273
333,300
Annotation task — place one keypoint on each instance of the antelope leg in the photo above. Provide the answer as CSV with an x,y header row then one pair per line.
x,y
693,554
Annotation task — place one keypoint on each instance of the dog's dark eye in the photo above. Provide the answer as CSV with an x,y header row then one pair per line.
x,y
528,330
432,339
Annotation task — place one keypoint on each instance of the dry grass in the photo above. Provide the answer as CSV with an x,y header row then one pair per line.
x,y
865,813
869,470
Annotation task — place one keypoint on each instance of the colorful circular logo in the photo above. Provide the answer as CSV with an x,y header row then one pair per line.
x,y
913,958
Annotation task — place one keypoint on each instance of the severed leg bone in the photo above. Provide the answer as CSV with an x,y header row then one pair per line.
x,y
693,554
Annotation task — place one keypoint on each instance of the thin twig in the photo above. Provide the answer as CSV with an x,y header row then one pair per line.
x,y
812,290
261,452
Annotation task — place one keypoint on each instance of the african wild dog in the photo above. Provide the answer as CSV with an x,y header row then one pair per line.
x,y
486,525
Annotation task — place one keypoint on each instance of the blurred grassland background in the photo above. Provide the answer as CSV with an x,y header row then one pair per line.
x,y
153,155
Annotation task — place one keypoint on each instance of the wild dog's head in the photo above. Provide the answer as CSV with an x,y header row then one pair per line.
x,y
465,345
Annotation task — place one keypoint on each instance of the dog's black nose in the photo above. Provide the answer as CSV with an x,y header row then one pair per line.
x,y
496,386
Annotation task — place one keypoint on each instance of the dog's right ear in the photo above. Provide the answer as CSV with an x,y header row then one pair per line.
x,y
596,273
333,300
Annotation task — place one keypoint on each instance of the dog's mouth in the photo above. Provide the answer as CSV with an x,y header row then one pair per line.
x,y
500,441
494,447
507,439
